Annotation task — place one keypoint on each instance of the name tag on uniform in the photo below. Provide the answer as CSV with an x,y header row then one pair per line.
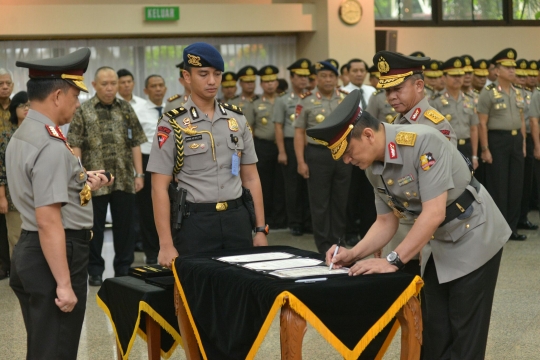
x,y
235,167
193,138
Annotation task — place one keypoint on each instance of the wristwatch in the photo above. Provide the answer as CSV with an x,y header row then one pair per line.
x,y
393,259
139,175
484,148
264,229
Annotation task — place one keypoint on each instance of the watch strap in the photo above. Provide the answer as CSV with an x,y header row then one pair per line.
x,y
264,229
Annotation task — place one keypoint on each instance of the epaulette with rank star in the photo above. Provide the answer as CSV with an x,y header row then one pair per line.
x,y
343,91
282,93
174,113
517,86
378,91
429,87
476,91
468,94
232,108
174,97
255,97
305,95
490,86
433,115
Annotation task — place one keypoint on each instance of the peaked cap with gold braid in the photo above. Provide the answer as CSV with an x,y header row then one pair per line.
x,y
395,68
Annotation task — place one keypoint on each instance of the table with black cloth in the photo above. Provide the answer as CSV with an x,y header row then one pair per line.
x,y
225,310
135,307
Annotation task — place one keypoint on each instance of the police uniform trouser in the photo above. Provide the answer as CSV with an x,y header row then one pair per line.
x,y
504,176
5,262
150,238
206,229
361,212
328,185
466,148
295,186
458,312
51,333
528,172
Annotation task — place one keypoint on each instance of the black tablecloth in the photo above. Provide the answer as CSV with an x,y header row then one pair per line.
x,y
232,308
127,300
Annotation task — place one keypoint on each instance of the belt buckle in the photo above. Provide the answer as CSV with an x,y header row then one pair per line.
x,y
91,235
514,132
222,206
461,141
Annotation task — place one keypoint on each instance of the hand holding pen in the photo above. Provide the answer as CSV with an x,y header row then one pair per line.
x,y
336,250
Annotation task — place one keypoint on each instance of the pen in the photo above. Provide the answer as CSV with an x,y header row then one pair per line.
x,y
310,280
335,253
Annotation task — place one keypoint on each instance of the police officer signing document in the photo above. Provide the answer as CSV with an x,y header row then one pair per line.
x,y
52,191
208,148
458,227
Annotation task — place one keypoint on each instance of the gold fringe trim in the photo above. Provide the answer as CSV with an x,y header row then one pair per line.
x,y
188,310
388,341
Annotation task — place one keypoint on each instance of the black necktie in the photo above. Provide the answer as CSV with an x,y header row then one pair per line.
x,y
362,101
160,110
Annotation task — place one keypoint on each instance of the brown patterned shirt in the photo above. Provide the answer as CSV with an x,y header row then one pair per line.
x,y
4,119
5,136
106,134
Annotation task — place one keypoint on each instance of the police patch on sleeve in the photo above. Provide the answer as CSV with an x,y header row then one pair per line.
x,y
163,135
427,161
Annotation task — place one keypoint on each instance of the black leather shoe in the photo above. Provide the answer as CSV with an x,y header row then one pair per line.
x,y
95,280
517,237
296,231
527,225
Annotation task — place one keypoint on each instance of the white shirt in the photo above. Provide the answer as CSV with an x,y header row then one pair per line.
x,y
148,117
367,89
135,102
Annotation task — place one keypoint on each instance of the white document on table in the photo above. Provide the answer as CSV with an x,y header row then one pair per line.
x,y
308,271
283,264
255,257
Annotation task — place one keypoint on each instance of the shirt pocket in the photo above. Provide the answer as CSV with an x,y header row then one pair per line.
x,y
239,145
456,229
194,158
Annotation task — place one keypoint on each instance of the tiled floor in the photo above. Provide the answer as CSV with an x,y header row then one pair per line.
x,y
514,332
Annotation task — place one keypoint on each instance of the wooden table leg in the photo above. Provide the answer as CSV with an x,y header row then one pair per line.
x,y
410,318
153,338
118,351
292,330
186,331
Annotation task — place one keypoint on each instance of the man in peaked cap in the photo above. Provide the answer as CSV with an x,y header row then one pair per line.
x,y
433,77
246,79
468,61
207,147
502,136
532,70
178,100
480,73
52,191
312,78
228,86
416,173
374,75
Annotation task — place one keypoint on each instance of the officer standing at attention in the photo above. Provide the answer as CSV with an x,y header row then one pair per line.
x,y
284,115
208,148
379,107
328,181
458,109
52,191
502,139
480,73
433,81
467,87
228,86
458,227
178,100
246,78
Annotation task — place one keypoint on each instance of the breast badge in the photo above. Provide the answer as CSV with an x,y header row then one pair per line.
x,y
233,124
319,118
264,121
427,161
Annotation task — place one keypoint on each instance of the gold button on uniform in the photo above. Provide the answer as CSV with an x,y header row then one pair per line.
x,y
514,132
406,204
389,118
319,118
461,141
390,182
292,117
264,121
81,175
467,226
414,194
448,117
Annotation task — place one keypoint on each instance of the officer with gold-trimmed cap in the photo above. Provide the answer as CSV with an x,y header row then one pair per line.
x,y
374,76
246,79
228,86
312,78
178,100
417,174
53,193
467,87
207,147
480,73
502,136
532,70
434,83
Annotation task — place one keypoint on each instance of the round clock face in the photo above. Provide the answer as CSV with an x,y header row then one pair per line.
x,y
350,12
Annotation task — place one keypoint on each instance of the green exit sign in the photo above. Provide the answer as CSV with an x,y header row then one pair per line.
x,y
161,13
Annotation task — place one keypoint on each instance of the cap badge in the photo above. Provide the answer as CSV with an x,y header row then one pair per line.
x,y
383,65
304,65
434,66
457,63
319,66
523,65
534,66
249,71
228,77
510,54
467,61
483,65
268,71
194,60
334,64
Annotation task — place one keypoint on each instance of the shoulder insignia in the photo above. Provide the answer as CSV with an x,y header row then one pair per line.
x,y
406,138
518,86
56,133
174,97
343,91
538,88
305,95
376,92
433,115
429,87
234,97
490,86
468,94
282,93
255,97
233,108
391,121
174,113
476,91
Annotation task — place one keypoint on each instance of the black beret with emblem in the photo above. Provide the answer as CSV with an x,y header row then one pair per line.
x,y
300,67
506,57
268,73
334,62
395,67
418,54
533,68
453,66
481,67
521,67
374,71
70,68
228,79
433,69
325,65
468,62
201,54
334,131
247,73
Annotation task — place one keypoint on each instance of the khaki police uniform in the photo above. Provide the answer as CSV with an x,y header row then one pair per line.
x,y
216,216
461,115
329,180
505,143
379,107
175,101
246,105
460,264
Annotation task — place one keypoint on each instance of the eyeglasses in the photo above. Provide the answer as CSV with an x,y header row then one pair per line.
x,y
23,106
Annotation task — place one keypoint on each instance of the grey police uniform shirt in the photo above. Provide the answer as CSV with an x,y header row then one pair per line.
x,y
263,126
246,105
42,170
285,113
527,96
379,107
175,102
460,113
534,109
205,179
503,110
424,114
314,108
418,173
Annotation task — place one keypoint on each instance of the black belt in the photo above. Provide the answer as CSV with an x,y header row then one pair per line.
x,y
214,207
508,132
463,141
460,205
83,234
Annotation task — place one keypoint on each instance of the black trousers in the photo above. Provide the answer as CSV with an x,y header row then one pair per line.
x,y
466,149
361,212
210,230
328,185
295,190
149,233
51,333
122,204
458,312
5,263
528,173
504,177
